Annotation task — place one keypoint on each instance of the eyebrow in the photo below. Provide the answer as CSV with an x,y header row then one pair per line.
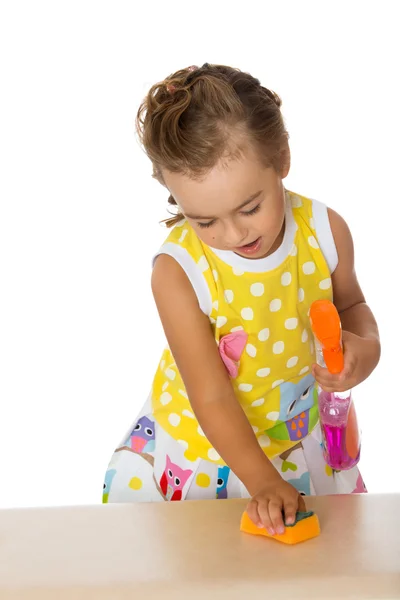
x,y
245,203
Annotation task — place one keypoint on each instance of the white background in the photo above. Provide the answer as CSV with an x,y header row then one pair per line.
x,y
79,333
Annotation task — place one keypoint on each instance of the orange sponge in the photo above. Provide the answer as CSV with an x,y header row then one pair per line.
x,y
304,528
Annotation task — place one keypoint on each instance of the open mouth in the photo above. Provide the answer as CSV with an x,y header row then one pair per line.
x,y
251,248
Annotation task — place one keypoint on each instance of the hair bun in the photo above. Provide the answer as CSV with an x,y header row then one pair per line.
x,y
171,200
273,96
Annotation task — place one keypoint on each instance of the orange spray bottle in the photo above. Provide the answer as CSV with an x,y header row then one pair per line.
x,y
338,418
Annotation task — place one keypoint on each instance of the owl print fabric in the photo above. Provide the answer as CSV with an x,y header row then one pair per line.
x,y
160,471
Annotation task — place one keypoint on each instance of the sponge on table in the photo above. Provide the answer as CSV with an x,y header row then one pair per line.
x,y
304,528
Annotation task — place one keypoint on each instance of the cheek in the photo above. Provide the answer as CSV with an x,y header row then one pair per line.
x,y
206,235
270,226
272,221
209,238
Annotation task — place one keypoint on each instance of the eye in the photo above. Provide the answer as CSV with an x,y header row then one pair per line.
x,y
104,486
148,431
170,473
177,481
220,482
291,406
205,225
302,494
253,210
138,427
306,393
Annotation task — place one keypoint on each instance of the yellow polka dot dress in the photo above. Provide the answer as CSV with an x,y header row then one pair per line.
x,y
269,299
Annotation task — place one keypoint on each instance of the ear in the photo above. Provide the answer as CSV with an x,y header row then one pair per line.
x,y
285,161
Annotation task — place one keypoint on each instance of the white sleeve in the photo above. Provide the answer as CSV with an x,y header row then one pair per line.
x,y
324,234
193,273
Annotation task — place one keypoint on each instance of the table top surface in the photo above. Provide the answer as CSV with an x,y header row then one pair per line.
x,y
188,549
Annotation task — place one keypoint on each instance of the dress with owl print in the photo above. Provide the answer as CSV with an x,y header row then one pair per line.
x,y
259,313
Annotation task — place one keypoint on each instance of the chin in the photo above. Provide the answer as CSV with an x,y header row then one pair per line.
x,y
253,256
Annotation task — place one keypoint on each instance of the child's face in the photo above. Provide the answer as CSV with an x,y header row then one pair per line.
x,y
237,206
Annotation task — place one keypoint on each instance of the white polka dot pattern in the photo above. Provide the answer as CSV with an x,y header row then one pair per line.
x,y
251,350
263,372
247,314
291,323
203,264
286,279
174,419
263,335
245,387
165,398
257,289
229,296
278,347
325,284
275,305
309,268
221,321
292,362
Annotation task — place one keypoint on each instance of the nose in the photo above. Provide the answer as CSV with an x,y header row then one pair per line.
x,y
235,235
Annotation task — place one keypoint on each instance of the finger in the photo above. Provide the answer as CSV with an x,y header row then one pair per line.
x,y
323,373
332,390
323,376
265,518
252,511
301,505
275,513
349,367
319,371
330,382
327,379
342,386
290,508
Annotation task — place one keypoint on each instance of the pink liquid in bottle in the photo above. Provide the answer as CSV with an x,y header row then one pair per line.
x,y
339,429
338,418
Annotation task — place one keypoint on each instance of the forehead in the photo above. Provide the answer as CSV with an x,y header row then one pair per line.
x,y
222,189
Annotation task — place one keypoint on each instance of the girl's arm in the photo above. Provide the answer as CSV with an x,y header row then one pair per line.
x,y
360,331
348,297
211,394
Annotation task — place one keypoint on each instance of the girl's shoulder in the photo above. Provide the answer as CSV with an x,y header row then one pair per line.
x,y
184,246
312,217
182,235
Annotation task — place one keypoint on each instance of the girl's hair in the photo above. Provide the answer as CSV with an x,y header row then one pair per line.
x,y
187,123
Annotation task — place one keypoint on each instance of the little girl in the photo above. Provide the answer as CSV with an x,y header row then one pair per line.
x,y
233,407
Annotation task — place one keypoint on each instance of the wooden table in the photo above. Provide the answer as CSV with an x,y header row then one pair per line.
x,y
194,550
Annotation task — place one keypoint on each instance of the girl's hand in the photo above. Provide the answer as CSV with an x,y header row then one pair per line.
x,y
360,359
275,499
